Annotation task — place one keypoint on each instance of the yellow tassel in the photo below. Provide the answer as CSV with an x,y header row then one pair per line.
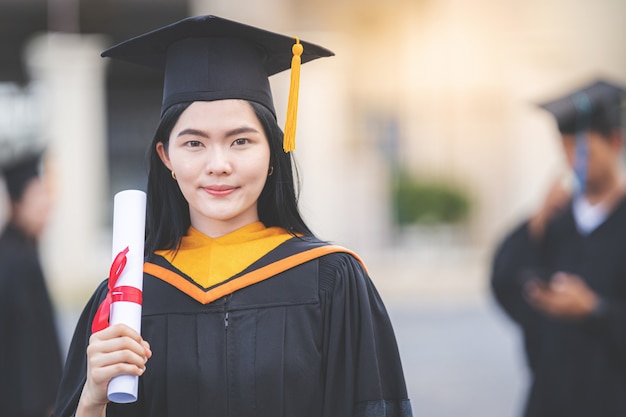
x,y
289,142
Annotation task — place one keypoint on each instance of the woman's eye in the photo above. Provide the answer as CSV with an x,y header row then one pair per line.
x,y
241,141
194,143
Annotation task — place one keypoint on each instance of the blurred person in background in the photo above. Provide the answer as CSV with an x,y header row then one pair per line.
x,y
30,357
245,312
561,275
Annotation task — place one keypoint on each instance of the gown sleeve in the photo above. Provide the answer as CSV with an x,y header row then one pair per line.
x,y
75,372
515,259
362,358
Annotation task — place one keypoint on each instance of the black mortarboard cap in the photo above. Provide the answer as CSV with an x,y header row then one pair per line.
x,y
207,58
19,171
597,106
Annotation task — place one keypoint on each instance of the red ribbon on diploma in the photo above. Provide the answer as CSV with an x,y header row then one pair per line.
x,y
121,293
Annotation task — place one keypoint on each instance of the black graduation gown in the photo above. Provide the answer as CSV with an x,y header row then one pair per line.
x,y
30,358
578,369
312,340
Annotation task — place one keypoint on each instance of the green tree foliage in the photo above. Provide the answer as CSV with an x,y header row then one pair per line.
x,y
428,202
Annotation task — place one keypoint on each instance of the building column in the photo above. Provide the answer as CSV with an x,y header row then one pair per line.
x,y
70,76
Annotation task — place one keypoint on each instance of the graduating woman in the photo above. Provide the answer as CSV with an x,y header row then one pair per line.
x,y
245,312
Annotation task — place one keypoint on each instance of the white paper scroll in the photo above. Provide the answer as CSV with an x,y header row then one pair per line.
x,y
129,222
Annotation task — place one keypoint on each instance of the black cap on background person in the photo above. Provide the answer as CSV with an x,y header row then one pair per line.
x,y
596,106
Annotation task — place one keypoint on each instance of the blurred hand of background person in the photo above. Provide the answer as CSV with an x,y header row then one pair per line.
x,y
565,296
556,201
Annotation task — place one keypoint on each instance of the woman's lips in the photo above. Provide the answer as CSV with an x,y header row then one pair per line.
x,y
220,190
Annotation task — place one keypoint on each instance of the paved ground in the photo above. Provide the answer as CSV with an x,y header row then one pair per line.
x,y
460,360
462,356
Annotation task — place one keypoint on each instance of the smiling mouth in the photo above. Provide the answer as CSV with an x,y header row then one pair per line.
x,y
220,190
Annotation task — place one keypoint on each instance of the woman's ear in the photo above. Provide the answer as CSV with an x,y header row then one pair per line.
x,y
162,152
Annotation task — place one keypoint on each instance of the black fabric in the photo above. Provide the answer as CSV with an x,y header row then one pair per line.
x,y
283,347
30,358
578,368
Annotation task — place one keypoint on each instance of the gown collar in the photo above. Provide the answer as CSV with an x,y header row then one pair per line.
x,y
209,261
587,216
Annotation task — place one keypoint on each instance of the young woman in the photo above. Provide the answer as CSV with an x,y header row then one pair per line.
x,y
245,312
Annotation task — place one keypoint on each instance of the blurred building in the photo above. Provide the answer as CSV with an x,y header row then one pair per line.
x,y
443,88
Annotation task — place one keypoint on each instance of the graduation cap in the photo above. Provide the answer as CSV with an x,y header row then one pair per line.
x,y
206,58
19,171
596,106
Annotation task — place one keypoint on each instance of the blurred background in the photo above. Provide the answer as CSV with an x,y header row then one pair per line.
x,y
419,146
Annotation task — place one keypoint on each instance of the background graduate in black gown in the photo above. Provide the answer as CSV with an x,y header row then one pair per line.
x,y
245,312
30,358
561,275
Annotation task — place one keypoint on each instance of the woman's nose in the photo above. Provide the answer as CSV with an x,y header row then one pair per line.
x,y
218,163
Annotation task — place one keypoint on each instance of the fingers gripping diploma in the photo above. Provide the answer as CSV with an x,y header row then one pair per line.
x,y
116,350
565,296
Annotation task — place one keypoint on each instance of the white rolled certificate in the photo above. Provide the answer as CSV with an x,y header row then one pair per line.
x,y
129,223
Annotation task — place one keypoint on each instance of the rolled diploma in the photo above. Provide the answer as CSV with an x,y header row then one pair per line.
x,y
129,222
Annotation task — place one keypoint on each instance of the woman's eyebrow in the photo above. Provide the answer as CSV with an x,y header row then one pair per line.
x,y
193,132
240,130
233,132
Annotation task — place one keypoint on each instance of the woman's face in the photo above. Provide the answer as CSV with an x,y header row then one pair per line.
x,y
220,155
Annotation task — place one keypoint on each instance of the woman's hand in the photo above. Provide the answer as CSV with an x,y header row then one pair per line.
x,y
116,350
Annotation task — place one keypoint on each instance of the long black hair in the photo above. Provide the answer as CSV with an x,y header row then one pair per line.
x,y
167,211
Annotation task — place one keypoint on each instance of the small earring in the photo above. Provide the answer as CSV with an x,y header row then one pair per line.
x,y
271,171
174,175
